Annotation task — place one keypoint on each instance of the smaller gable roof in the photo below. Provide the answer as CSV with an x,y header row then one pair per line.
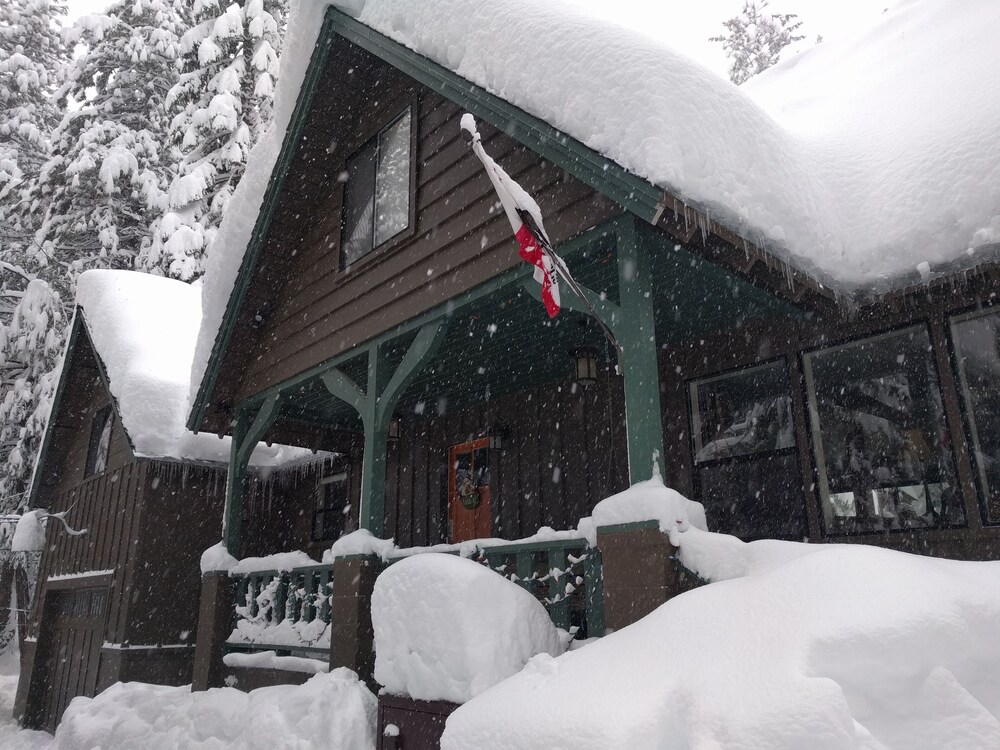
x,y
143,329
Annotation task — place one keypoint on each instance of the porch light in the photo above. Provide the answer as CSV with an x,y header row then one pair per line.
x,y
393,431
586,366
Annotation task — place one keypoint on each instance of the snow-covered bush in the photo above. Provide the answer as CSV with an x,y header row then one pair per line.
x,y
448,628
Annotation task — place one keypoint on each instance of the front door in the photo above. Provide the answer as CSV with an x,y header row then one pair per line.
x,y
469,506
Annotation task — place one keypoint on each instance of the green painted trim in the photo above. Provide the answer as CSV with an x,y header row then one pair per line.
x,y
289,146
421,350
246,434
617,528
587,165
343,387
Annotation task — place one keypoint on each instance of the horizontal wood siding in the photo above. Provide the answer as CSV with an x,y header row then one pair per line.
x,y
460,238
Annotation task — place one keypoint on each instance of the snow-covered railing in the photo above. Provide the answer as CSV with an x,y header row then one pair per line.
x,y
565,575
285,611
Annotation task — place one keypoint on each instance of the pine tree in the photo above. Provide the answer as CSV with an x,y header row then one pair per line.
x,y
224,100
755,39
32,57
107,176
30,352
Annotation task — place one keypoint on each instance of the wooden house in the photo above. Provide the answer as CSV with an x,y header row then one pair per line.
x,y
117,593
369,299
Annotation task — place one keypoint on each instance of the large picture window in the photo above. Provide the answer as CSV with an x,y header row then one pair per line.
x,y
746,469
882,448
976,340
100,442
377,194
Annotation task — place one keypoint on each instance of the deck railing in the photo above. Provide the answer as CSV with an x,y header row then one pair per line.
x,y
289,611
284,611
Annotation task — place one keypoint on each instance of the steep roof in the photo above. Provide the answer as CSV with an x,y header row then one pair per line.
x,y
143,329
842,188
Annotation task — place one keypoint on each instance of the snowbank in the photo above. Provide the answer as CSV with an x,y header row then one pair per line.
x,y
838,647
144,329
334,711
645,501
29,534
271,660
447,628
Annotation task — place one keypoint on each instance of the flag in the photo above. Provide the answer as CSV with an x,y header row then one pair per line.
x,y
525,219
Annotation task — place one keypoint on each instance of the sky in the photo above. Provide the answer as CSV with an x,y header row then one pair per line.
x,y
686,26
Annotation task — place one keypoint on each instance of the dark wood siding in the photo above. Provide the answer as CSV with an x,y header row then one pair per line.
x,y
315,310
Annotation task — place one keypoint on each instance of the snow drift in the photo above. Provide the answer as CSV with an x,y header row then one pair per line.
x,y
448,628
144,329
820,647
334,711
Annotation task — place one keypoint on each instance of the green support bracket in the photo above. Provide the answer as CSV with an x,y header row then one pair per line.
x,y
631,322
375,405
247,433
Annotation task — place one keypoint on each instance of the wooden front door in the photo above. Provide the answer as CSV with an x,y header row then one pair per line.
x,y
73,649
469,500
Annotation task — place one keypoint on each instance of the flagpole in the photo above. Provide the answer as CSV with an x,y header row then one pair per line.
x,y
524,217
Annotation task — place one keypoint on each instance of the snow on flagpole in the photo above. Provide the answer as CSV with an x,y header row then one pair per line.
x,y
525,219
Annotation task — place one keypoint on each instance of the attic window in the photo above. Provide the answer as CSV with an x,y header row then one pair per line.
x,y
377,194
100,442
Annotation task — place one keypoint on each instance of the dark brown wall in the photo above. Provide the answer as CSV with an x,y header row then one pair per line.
x,y
315,310
761,341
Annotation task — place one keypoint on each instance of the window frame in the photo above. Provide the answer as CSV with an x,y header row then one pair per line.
x,y
407,232
783,361
320,507
815,453
93,445
970,430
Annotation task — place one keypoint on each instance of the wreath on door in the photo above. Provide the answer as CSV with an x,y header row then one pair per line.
x,y
468,494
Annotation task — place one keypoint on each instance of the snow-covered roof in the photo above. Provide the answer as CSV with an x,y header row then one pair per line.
x,y
144,329
862,163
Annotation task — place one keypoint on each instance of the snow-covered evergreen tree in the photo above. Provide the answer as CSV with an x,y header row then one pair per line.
x,y
754,39
30,350
224,101
32,56
107,176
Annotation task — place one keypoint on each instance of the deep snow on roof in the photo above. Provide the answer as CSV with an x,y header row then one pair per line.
x,y
855,162
144,329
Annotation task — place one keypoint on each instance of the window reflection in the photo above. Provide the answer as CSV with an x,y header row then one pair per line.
x,y
882,448
748,476
977,349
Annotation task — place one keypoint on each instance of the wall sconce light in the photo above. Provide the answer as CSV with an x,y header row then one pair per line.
x,y
393,436
586,366
499,436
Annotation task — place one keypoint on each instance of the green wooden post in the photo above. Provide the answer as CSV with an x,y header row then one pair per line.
x,y
247,433
636,333
559,606
375,405
593,577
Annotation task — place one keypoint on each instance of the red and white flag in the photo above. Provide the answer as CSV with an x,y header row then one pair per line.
x,y
525,219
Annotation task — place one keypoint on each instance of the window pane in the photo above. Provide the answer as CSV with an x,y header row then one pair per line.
x,y
881,442
977,346
392,184
745,412
331,508
359,204
754,499
100,442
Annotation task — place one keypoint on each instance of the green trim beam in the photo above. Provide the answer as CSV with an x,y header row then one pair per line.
x,y
247,433
375,405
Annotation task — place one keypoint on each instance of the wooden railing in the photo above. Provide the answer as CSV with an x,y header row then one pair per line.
x,y
272,607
